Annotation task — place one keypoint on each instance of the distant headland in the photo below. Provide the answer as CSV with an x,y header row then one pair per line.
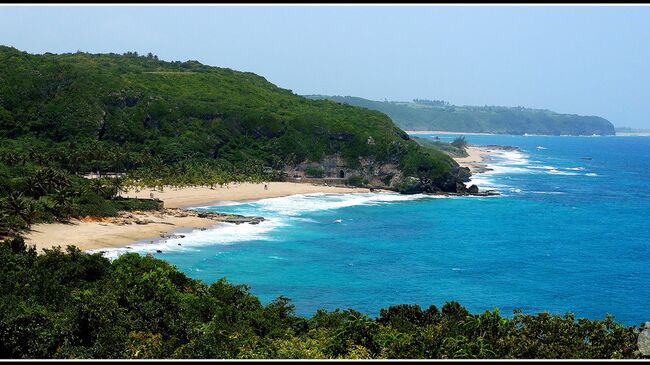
x,y
438,115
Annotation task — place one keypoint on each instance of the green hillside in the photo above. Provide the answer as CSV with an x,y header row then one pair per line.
x,y
441,116
176,123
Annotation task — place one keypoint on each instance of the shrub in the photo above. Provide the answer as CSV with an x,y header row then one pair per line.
x,y
356,181
314,172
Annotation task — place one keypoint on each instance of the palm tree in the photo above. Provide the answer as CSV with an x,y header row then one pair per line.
x,y
17,204
459,142
10,225
117,184
31,212
19,211
63,204
98,186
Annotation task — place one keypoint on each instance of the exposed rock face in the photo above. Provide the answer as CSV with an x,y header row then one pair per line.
x,y
337,171
473,189
370,173
449,182
341,136
464,174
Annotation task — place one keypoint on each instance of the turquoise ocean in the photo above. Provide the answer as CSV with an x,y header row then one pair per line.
x,y
570,232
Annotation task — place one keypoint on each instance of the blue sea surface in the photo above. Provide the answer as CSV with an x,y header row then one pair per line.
x,y
569,233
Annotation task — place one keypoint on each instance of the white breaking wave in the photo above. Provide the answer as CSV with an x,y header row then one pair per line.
x,y
591,174
558,172
513,157
542,167
220,234
275,210
501,162
575,168
296,204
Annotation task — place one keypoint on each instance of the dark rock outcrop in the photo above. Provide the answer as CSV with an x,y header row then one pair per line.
x,y
369,172
449,182
341,136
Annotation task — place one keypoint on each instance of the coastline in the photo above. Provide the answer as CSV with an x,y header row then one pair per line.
x,y
109,233
200,195
131,227
633,134
448,132
476,159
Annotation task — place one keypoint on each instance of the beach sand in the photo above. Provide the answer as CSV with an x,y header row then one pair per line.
x,y
88,234
475,159
195,196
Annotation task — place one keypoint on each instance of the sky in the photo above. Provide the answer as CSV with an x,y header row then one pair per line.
x,y
592,60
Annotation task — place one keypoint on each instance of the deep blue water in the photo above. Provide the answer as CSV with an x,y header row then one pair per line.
x,y
567,234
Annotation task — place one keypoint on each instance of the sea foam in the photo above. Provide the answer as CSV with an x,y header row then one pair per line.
x,y
295,205
277,211
220,234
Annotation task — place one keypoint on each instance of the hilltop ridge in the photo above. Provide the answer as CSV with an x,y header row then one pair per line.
x,y
156,123
438,115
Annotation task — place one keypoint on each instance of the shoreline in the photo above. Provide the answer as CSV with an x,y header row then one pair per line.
x,y
131,227
195,196
476,159
620,134
633,134
448,132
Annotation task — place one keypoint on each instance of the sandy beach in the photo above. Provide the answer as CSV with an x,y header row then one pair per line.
x,y
88,234
197,196
475,159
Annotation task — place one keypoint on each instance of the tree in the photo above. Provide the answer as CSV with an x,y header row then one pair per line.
x,y
459,142
63,204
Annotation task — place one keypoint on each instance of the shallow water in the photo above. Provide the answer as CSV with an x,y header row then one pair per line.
x,y
567,234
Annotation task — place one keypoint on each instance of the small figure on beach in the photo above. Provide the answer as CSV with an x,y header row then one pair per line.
x,y
266,187
151,195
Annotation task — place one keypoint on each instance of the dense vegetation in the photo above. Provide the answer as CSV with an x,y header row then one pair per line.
x,y
76,305
430,115
32,193
456,148
164,123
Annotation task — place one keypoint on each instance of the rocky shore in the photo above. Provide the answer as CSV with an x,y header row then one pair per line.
x,y
89,233
160,216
